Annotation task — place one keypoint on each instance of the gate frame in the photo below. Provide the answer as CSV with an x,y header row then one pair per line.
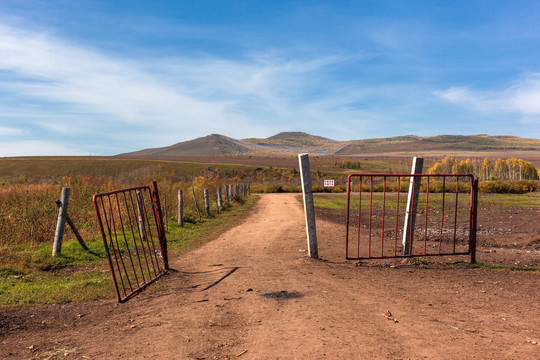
x,y
153,197
472,215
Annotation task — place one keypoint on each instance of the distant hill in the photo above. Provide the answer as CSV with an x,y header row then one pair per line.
x,y
211,145
443,143
292,143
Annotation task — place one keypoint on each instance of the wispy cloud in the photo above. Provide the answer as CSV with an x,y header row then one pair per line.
x,y
7,131
521,98
38,147
83,89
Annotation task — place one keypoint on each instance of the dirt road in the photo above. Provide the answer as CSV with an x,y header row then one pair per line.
x,y
254,294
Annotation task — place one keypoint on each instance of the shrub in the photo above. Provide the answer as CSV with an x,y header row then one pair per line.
x,y
508,186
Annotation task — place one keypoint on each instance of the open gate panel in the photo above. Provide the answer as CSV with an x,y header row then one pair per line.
x,y
132,229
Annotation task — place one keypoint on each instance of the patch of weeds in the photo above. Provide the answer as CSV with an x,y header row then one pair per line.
x,y
419,261
480,265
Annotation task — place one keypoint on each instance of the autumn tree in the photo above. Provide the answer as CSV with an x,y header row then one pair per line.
x,y
486,169
445,166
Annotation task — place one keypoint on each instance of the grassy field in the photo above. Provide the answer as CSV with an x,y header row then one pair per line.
x,y
495,202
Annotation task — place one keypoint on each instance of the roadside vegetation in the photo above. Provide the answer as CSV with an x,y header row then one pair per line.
x,y
29,274
28,213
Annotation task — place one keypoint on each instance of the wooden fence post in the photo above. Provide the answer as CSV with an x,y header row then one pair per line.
x,y
196,203
180,208
309,210
206,202
412,205
226,188
219,198
73,228
61,222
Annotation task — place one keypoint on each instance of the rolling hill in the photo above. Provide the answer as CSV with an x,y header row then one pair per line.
x,y
292,143
211,145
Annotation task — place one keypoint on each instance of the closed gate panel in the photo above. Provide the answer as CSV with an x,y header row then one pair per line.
x,y
385,219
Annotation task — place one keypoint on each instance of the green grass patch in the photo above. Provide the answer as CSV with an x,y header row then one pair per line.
x,y
528,200
29,276
481,265
339,202
489,202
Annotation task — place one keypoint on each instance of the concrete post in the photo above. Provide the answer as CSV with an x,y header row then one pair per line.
x,y
309,209
412,205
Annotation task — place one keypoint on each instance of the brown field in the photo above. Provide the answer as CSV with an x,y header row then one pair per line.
x,y
323,162
253,294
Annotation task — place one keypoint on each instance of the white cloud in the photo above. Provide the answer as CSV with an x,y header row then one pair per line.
x,y
525,96
522,98
37,148
8,131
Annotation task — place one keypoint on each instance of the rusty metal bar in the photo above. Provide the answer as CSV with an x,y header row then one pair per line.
x,y
383,215
426,216
359,214
442,212
370,212
130,222
474,214
456,212
347,216
397,215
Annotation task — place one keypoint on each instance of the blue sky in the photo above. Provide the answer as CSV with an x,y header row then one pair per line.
x,y
107,77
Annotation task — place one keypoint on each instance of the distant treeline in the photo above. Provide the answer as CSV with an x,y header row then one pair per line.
x,y
502,169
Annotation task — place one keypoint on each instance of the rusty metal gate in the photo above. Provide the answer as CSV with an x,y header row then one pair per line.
x,y
404,215
131,225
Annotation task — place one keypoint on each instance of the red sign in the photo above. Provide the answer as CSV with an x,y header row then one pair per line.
x,y
328,183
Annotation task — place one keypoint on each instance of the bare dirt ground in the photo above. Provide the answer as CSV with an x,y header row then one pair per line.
x,y
254,294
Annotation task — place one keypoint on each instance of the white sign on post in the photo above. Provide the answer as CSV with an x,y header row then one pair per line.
x,y
328,183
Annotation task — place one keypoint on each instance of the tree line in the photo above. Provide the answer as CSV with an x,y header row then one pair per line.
x,y
501,169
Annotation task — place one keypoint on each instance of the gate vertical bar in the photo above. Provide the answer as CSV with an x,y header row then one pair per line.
x,y
456,213
383,215
426,217
159,225
412,203
397,214
442,213
474,213
359,217
370,213
347,217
